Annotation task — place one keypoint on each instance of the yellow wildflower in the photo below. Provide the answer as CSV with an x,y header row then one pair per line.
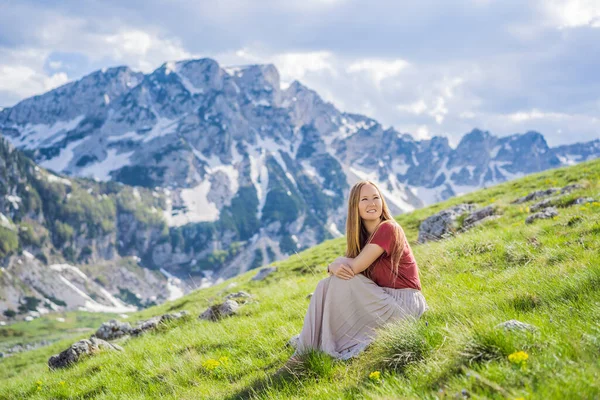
x,y
211,364
375,376
39,382
62,383
519,358
224,360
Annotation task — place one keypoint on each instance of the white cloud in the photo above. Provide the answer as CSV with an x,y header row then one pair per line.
x,y
25,81
295,66
55,64
422,132
418,107
535,114
574,13
138,49
378,70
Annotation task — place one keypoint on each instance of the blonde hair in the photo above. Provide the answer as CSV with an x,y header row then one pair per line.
x,y
357,236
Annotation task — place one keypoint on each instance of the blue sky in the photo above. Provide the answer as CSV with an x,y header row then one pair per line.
x,y
425,67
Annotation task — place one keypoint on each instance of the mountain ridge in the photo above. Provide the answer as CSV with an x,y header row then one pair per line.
x,y
244,163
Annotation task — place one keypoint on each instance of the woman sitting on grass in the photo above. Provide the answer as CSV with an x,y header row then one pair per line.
x,y
377,282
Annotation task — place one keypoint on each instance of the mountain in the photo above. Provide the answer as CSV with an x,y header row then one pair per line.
x,y
545,275
74,244
247,164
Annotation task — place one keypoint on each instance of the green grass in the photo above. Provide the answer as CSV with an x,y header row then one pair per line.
x,y
546,274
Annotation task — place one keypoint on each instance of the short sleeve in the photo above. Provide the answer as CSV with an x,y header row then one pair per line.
x,y
384,237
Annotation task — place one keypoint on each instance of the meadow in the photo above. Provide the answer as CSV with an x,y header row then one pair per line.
x,y
546,274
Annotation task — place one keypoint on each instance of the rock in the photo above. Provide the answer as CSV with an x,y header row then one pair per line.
x,y
547,213
228,308
513,324
113,329
536,195
542,204
263,273
309,296
583,200
154,322
178,315
238,295
571,187
293,342
478,216
84,347
443,223
219,311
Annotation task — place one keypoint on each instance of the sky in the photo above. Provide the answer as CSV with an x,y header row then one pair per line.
x,y
427,68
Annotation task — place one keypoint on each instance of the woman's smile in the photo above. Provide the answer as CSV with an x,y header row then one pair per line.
x,y
370,204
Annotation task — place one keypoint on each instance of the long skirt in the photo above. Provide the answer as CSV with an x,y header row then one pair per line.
x,y
343,314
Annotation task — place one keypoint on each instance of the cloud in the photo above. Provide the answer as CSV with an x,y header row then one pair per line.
x,y
25,81
426,68
574,13
378,70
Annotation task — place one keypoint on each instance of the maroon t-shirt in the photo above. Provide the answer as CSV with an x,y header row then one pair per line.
x,y
381,272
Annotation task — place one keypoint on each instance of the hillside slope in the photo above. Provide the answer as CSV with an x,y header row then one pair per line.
x,y
546,274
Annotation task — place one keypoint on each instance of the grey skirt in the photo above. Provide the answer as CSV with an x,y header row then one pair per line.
x,y
343,315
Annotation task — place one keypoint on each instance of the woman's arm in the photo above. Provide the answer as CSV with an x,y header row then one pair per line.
x,y
366,257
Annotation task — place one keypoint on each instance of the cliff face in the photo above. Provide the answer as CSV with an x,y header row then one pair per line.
x,y
64,243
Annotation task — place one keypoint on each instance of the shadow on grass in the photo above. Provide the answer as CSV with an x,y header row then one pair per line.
x,y
313,365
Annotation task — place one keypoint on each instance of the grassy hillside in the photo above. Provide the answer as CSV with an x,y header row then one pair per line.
x,y
546,274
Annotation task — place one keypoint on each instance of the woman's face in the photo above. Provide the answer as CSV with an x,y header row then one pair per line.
x,y
369,203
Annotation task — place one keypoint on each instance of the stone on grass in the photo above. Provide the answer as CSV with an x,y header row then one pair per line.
x,y
443,223
547,213
263,273
583,200
571,187
113,329
216,312
513,324
542,204
241,295
536,195
293,342
146,325
84,347
309,296
478,216
154,322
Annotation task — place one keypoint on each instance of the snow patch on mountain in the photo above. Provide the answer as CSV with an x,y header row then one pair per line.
x,y
163,127
131,135
569,159
62,160
101,169
37,135
197,207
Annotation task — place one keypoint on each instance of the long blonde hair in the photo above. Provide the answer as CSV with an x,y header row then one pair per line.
x,y
357,236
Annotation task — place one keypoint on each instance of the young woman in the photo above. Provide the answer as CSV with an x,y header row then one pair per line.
x,y
377,282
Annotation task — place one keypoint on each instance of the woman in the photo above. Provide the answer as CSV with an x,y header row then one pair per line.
x,y
377,282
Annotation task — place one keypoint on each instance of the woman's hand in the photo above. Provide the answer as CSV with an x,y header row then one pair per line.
x,y
342,271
